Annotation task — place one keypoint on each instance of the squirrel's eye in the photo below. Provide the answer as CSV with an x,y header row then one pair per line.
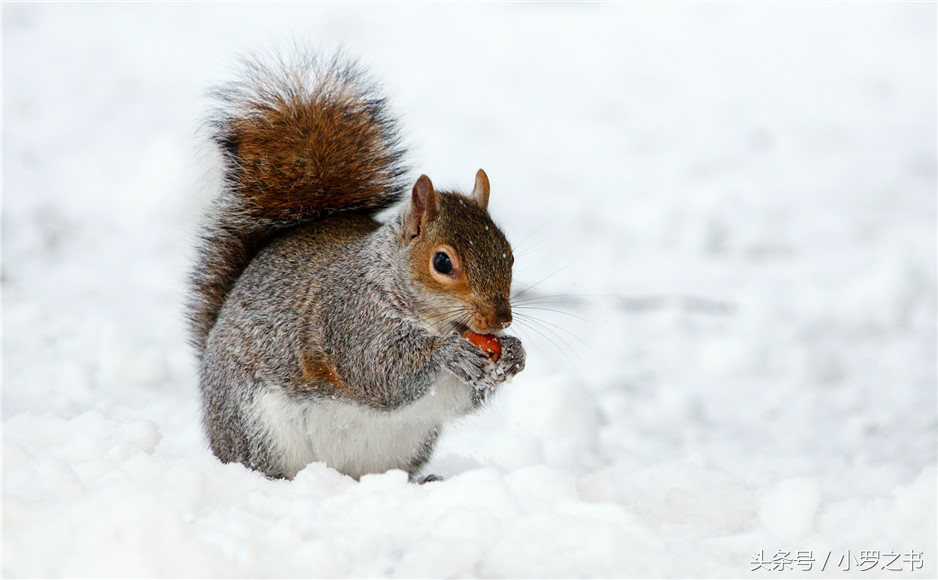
x,y
442,263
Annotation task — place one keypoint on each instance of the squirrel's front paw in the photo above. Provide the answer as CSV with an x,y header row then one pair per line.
x,y
474,367
467,361
513,356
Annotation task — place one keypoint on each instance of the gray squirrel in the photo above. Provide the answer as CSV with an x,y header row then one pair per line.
x,y
323,334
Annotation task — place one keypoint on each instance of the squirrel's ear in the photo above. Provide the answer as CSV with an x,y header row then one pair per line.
x,y
480,193
422,206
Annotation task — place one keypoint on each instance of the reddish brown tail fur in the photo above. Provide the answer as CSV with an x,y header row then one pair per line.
x,y
299,140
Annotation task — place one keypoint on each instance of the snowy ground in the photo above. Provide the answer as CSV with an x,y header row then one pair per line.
x,y
734,206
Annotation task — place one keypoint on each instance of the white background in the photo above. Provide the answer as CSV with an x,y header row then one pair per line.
x,y
732,206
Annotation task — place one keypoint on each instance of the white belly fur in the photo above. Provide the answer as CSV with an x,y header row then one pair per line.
x,y
352,438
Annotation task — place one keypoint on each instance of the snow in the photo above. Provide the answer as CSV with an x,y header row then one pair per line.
x,y
732,206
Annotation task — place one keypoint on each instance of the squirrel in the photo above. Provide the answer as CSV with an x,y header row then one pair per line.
x,y
323,334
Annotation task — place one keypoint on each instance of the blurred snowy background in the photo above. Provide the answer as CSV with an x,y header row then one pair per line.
x,y
732,207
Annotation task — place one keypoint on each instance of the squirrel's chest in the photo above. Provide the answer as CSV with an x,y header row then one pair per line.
x,y
354,439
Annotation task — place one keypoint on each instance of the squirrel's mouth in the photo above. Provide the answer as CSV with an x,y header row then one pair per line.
x,y
462,328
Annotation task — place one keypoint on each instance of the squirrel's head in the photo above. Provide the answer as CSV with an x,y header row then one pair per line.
x,y
460,262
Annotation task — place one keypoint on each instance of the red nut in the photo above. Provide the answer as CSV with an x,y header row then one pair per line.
x,y
489,343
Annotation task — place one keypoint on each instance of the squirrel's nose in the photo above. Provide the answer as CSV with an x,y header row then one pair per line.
x,y
502,315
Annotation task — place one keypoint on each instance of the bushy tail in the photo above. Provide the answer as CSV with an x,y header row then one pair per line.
x,y
299,140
